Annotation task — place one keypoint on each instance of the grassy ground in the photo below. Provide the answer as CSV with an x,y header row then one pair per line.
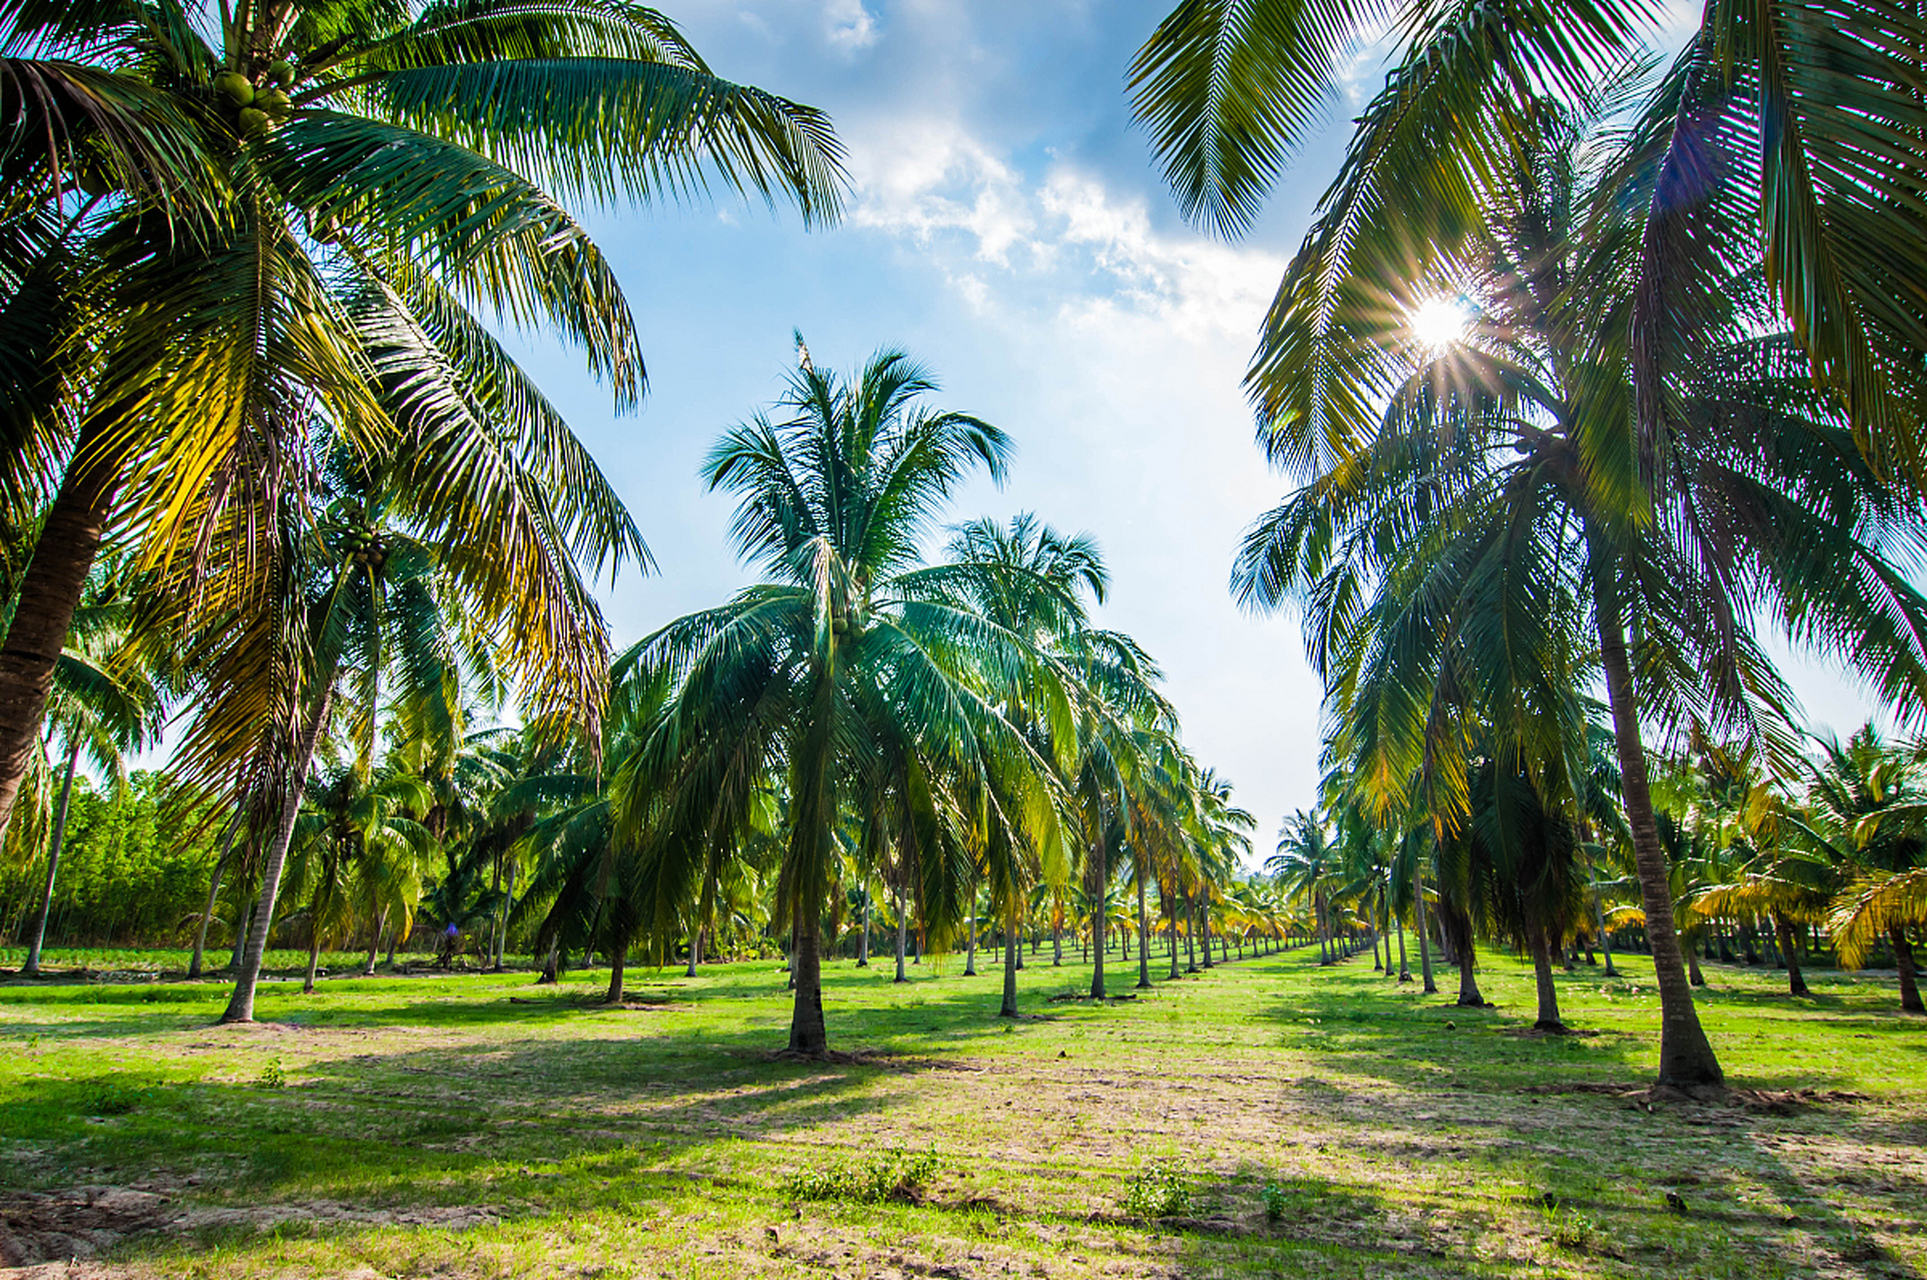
x,y
1287,1120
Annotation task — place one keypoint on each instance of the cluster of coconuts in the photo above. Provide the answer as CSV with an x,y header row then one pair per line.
x,y
366,548
261,105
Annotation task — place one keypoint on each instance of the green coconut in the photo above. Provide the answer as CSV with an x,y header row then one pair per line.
x,y
254,121
282,73
238,88
275,103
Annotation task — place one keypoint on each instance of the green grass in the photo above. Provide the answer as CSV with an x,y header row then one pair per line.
x,y
1296,1121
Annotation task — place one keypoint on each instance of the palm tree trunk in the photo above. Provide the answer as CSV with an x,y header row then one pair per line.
x,y
314,960
1694,939
1605,939
808,1035
618,960
863,943
502,932
240,1006
1685,1055
1100,939
1012,946
32,967
1541,945
903,937
63,555
1404,969
1904,961
551,965
1783,933
1191,940
213,894
1470,996
1143,938
1204,928
242,927
1057,942
374,943
695,948
1424,939
970,953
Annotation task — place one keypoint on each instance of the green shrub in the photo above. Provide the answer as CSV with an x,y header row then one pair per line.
x,y
1277,1202
273,1076
1162,1189
895,1175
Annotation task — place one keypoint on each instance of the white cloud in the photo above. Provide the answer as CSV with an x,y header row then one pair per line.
x,y
849,26
925,178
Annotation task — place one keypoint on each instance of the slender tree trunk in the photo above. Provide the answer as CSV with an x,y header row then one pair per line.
x,y
1605,938
1541,945
1685,1055
1693,946
63,556
1424,940
903,938
374,943
1012,948
241,1005
1143,938
1904,961
1204,928
1469,994
863,944
970,953
695,948
314,961
502,934
1100,927
1057,942
1404,969
1191,939
242,928
618,961
1171,938
1783,932
32,967
207,912
551,966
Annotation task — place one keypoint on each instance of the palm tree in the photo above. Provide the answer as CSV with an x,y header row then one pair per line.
x,y
374,178
1506,499
848,674
1775,124
353,838
108,700
1304,866
1865,808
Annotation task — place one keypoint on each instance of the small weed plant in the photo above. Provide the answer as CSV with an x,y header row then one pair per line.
x,y
896,1175
106,1096
273,1076
1162,1189
1277,1202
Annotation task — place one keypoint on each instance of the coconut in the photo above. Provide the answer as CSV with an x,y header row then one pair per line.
x,y
274,102
282,73
238,88
254,121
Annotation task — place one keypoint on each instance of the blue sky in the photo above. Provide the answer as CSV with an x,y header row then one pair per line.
x,y
1007,229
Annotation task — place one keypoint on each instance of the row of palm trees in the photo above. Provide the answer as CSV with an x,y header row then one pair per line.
x,y
1836,853
1683,410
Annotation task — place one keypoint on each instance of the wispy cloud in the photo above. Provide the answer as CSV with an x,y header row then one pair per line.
x,y
849,26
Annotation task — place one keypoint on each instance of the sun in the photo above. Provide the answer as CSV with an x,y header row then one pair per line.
x,y
1439,321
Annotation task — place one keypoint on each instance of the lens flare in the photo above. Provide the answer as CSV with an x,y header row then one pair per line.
x,y
1439,321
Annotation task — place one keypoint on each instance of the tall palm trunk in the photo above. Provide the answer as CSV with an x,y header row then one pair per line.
x,y
1100,925
1605,938
63,556
618,960
240,1006
1541,945
1012,946
1424,939
1143,938
1204,928
903,935
1783,932
863,942
1685,1055
213,895
314,961
970,943
1191,939
374,943
1404,969
32,967
1904,961
1057,942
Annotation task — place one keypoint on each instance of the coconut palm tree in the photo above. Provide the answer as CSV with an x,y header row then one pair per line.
x,y
377,178
109,699
1773,129
1507,497
1866,811
846,675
